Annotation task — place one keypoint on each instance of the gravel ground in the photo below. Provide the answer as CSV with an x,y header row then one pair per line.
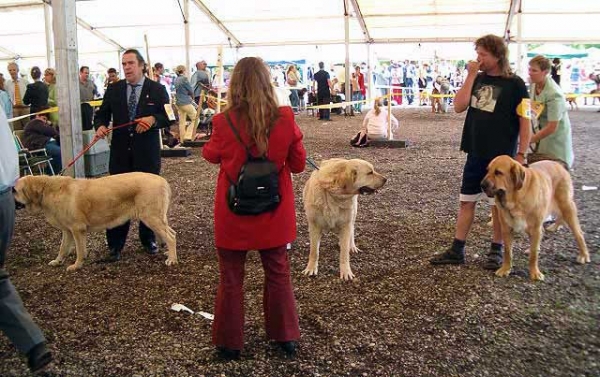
x,y
399,317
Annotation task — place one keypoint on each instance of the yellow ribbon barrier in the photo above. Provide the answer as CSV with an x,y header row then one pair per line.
x,y
54,109
346,103
575,95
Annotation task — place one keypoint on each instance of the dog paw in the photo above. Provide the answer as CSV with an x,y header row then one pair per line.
x,y
355,249
536,275
171,261
310,271
583,259
503,272
55,263
346,274
73,267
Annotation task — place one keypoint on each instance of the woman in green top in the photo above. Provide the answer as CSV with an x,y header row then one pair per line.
x,y
50,80
553,132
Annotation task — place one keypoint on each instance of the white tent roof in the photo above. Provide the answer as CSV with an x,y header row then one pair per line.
x,y
310,23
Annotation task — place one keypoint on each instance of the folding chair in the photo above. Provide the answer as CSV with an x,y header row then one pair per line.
x,y
37,158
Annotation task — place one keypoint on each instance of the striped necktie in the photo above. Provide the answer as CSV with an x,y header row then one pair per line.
x,y
18,100
132,103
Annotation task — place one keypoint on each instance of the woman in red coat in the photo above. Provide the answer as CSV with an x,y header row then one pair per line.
x,y
264,128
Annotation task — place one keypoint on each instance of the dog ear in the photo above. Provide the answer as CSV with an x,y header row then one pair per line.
x,y
350,179
333,175
517,174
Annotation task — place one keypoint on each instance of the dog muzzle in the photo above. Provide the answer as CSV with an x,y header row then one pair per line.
x,y
366,190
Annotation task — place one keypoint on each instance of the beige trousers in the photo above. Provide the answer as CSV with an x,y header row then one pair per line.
x,y
185,112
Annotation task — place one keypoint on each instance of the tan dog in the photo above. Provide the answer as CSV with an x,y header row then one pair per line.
x,y
331,203
524,198
436,102
79,206
572,101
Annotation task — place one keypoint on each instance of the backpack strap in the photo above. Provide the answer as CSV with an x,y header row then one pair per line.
x,y
236,133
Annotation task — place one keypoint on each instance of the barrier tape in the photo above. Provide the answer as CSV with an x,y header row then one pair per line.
x,y
345,103
54,109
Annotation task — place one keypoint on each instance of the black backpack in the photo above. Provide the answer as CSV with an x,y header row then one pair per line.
x,y
257,188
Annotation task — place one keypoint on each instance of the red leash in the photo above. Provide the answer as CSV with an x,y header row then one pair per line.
x,y
94,141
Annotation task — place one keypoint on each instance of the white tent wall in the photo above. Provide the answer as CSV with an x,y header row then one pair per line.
x,y
286,29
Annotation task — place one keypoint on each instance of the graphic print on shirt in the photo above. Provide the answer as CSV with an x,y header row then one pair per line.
x,y
484,97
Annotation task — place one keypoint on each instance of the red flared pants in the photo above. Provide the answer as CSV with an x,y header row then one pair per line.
x,y
279,304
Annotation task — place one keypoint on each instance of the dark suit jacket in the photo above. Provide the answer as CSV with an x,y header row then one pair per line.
x,y
36,95
130,151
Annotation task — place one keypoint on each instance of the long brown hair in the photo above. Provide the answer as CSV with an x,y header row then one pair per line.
x,y
498,48
251,96
376,107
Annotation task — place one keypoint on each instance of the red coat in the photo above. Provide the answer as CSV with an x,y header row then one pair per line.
x,y
361,84
269,229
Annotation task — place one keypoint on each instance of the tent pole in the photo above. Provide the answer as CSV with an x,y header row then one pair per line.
x,y
186,12
67,86
119,64
348,78
519,42
49,42
369,72
220,78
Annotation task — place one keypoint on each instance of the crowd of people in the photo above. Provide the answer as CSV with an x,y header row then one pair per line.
x,y
491,95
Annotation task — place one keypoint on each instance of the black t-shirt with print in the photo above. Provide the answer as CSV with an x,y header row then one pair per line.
x,y
321,78
492,124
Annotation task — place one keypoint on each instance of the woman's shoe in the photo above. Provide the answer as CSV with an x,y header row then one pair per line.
x,y
289,348
227,354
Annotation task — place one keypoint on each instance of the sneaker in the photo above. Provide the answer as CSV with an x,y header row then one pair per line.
x,y
38,358
448,257
494,260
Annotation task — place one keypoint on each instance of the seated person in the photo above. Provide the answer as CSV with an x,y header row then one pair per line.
x,y
40,134
375,125
312,98
337,95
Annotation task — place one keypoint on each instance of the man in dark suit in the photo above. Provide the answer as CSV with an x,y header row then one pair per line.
x,y
323,91
137,147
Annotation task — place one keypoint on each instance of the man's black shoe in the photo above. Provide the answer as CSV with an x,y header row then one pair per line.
x,y
151,248
494,260
448,257
227,354
114,255
38,358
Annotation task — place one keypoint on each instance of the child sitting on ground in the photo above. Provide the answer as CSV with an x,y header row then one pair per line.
x,y
375,126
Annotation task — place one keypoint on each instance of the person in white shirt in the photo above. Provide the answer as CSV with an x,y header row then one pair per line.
x,y
375,125
16,87
15,321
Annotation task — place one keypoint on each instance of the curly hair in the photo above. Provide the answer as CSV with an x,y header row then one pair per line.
x,y
498,48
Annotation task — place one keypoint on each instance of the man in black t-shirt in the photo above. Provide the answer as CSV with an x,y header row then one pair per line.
x,y
323,91
492,128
